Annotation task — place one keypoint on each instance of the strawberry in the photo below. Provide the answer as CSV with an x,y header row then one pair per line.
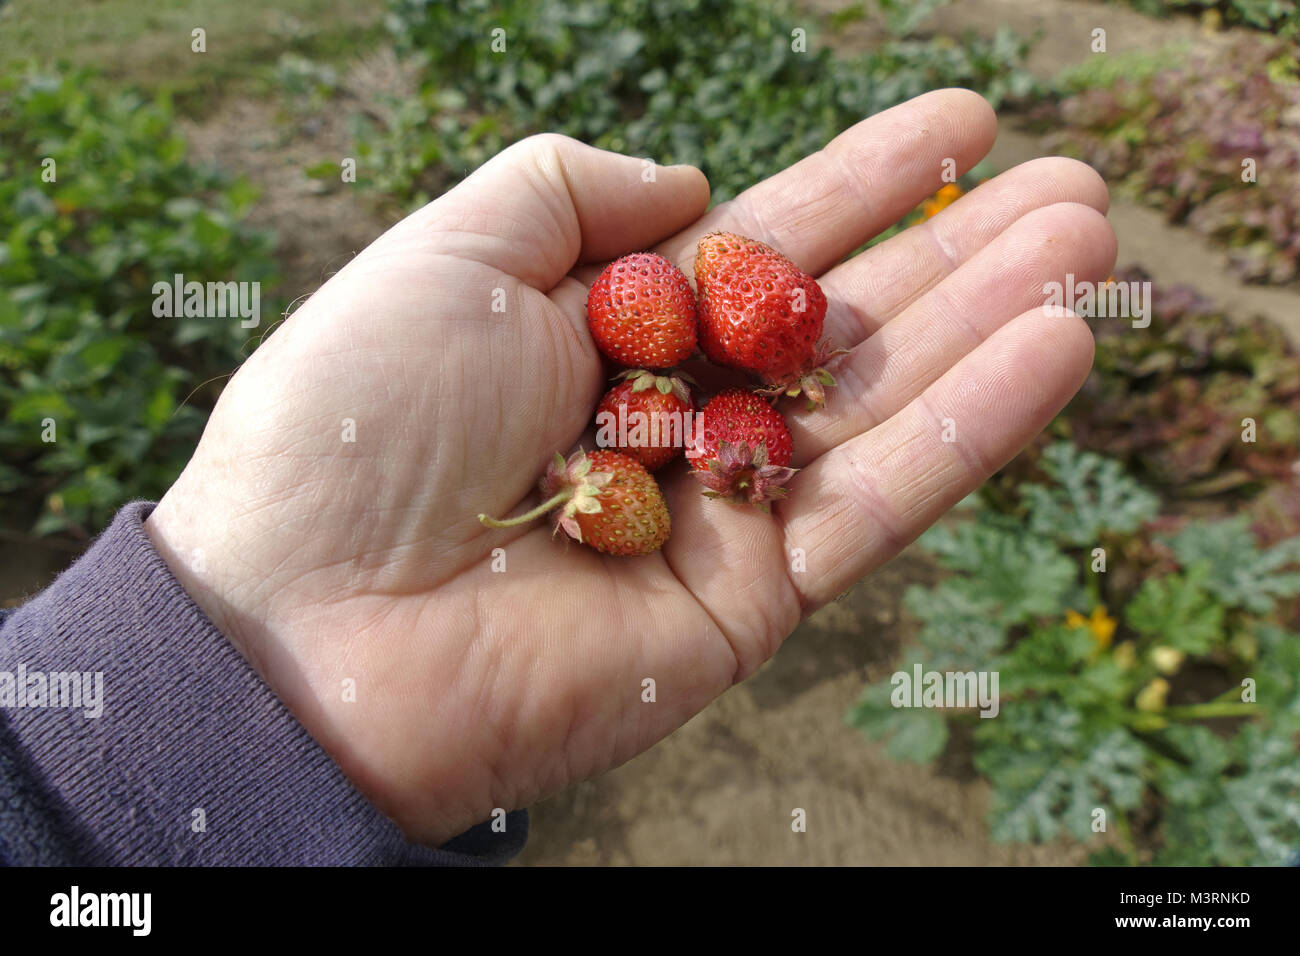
x,y
645,417
761,313
610,502
641,312
743,450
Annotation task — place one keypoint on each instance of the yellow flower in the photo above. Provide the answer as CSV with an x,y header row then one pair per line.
x,y
1166,659
1152,697
945,197
1125,655
1100,623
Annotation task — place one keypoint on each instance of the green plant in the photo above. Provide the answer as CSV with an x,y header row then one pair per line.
x,y
902,17
97,204
309,82
1275,16
1177,717
741,88
1106,71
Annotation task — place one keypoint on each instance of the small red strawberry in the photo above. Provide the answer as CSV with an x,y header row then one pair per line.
x,y
761,313
609,501
646,417
743,450
641,312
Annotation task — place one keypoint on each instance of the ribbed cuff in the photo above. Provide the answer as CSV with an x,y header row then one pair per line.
x,y
193,759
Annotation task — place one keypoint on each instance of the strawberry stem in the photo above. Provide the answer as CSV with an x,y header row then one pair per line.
x,y
560,497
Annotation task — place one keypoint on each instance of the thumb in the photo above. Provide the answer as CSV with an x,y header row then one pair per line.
x,y
548,202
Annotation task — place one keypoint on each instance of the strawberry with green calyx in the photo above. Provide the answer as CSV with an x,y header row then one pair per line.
x,y
759,312
743,451
677,382
641,312
646,416
606,500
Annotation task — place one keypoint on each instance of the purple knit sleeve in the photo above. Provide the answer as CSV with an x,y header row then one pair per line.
x,y
133,732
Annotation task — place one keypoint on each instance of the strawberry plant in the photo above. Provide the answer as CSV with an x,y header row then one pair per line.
x,y
728,85
102,401
1173,706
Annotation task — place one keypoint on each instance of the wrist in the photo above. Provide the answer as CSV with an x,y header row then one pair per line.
x,y
197,559
202,549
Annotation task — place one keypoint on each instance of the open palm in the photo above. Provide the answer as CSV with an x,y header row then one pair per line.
x,y
327,521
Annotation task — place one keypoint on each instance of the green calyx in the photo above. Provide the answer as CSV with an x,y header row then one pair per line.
x,y
642,380
571,484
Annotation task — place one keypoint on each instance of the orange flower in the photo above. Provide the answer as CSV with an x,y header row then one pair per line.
x,y
945,197
1100,623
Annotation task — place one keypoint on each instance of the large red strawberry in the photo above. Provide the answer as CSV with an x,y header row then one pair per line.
x,y
606,501
641,312
760,312
743,449
646,417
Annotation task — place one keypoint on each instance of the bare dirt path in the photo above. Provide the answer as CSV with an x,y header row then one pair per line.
x,y
1061,30
321,224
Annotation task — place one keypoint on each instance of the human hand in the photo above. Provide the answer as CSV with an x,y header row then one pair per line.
x,y
327,560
